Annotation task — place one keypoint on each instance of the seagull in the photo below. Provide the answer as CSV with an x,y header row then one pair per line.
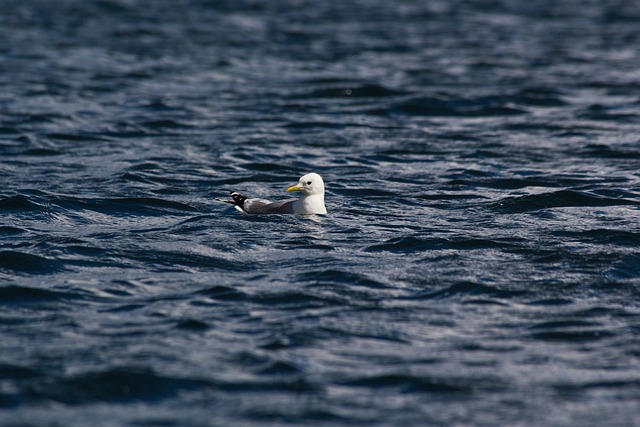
x,y
311,201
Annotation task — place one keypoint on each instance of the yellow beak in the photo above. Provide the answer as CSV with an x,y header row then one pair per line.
x,y
293,188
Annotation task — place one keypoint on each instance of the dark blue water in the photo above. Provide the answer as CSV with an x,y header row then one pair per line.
x,y
480,263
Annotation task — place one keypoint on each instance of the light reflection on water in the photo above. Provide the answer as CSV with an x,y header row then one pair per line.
x,y
478,265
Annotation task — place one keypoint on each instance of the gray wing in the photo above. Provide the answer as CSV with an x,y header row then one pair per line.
x,y
260,206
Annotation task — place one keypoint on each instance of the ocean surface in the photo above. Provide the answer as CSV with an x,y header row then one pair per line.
x,y
479,265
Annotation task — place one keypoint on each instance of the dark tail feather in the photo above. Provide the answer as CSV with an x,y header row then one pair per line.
x,y
238,199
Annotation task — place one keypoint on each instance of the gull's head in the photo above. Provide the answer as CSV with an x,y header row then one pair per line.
x,y
309,185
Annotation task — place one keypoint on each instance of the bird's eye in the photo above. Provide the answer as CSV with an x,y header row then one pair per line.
x,y
308,182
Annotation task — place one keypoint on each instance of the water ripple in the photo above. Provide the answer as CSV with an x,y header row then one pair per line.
x,y
22,262
557,199
479,263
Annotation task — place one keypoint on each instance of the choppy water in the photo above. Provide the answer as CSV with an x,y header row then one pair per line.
x,y
480,264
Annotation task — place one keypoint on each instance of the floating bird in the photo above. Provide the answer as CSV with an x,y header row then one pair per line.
x,y
311,201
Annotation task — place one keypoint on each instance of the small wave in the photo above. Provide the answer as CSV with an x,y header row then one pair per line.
x,y
539,97
577,335
9,372
193,325
125,308
572,328
23,294
409,384
497,105
623,152
305,242
262,166
167,260
8,230
455,107
295,384
355,91
9,130
407,245
18,372
604,236
469,289
600,112
220,292
627,268
340,277
135,177
151,202
365,193
318,125
19,203
279,367
145,166
146,206
166,124
114,385
41,152
159,105
617,385
557,199
28,263
75,137
507,183
411,244
551,302
296,300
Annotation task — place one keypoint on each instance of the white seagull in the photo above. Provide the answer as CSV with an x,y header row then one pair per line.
x,y
311,201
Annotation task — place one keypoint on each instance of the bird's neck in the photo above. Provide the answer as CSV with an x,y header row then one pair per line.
x,y
313,203
312,198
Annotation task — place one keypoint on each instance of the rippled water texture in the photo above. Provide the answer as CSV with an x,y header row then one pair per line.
x,y
480,263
